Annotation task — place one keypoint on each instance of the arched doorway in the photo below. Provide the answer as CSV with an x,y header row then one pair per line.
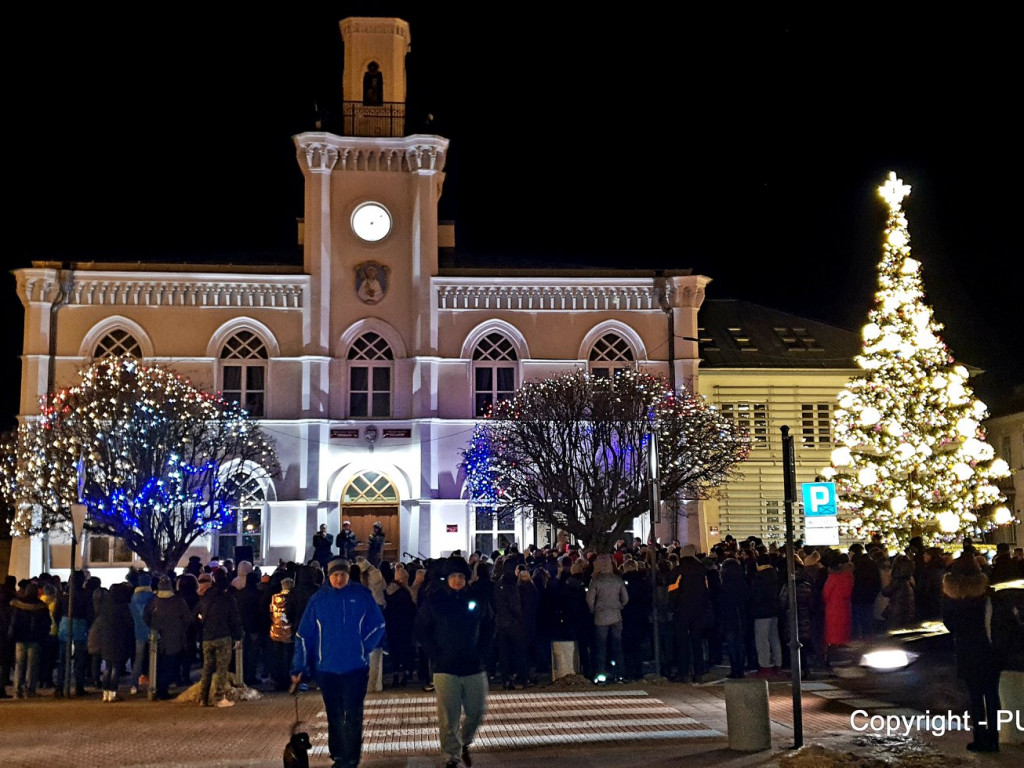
x,y
369,498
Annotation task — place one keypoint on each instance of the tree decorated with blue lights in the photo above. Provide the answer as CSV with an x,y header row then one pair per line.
x,y
574,451
911,457
153,459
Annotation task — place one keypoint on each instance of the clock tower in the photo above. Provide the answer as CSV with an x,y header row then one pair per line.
x,y
370,233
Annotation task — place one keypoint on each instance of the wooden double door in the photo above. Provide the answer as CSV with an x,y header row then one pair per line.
x,y
363,516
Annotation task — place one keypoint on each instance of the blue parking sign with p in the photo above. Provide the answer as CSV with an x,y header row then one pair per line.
x,y
819,499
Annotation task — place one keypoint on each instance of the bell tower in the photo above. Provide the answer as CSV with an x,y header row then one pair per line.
x,y
373,84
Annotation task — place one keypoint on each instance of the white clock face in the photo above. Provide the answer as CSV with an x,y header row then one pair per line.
x,y
371,222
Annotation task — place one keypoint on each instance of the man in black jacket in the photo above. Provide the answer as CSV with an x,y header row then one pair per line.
x,y
221,633
457,632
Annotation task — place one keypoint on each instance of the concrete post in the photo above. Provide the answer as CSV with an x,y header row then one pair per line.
x,y
1011,703
746,714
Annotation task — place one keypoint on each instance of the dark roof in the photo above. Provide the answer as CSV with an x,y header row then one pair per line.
x,y
739,334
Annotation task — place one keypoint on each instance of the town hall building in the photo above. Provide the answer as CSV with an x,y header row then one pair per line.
x,y
371,362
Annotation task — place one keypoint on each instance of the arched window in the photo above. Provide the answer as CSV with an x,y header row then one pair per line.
x,y
117,342
494,371
246,526
244,372
611,353
370,488
369,377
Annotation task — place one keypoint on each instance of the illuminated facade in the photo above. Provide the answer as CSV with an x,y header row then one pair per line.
x,y
370,362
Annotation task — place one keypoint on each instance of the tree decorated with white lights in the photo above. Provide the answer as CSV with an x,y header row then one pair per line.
x,y
911,457
154,460
574,451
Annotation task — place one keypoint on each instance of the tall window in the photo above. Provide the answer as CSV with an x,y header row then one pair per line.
x,y
494,371
752,418
494,529
815,425
369,377
117,342
246,529
610,354
244,372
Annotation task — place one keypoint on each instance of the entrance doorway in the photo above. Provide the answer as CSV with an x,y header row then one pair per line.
x,y
371,498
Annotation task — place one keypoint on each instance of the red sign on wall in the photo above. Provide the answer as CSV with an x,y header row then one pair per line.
x,y
453,528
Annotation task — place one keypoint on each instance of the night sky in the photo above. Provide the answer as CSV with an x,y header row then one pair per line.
x,y
746,146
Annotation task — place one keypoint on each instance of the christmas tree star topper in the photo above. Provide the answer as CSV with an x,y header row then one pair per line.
x,y
893,191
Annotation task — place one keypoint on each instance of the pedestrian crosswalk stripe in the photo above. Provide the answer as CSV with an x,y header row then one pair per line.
x,y
406,725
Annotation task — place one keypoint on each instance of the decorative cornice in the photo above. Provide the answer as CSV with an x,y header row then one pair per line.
x,y
164,290
546,295
325,153
375,25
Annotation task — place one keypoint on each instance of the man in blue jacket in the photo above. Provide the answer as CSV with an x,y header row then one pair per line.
x,y
341,625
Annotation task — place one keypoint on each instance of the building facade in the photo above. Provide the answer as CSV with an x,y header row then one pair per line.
x,y
370,363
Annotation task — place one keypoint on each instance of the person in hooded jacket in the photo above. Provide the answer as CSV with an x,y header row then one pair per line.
x,y
457,632
115,634
606,598
965,591
29,628
168,615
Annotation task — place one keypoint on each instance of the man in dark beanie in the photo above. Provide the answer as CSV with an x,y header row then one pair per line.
x,y
457,632
341,625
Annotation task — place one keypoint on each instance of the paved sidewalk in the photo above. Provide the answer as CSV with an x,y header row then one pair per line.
x,y
651,724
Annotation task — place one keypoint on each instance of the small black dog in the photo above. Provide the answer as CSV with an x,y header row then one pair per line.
x,y
296,753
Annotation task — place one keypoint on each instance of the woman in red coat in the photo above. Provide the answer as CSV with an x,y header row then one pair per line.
x,y
836,596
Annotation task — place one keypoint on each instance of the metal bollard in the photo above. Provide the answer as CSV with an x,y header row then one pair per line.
x,y
239,678
746,713
153,650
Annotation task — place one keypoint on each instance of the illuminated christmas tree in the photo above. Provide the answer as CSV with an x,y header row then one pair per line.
x,y
574,451
155,460
911,457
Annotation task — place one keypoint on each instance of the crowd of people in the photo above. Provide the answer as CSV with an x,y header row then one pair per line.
x,y
688,610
